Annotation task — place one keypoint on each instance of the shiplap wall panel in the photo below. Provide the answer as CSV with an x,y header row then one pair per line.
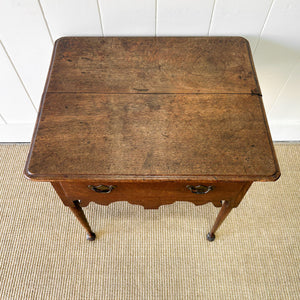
x,y
240,17
284,115
278,49
25,36
72,17
128,17
2,121
15,105
176,19
288,100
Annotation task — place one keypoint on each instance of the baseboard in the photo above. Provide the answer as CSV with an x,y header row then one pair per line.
x,y
16,133
285,131
22,133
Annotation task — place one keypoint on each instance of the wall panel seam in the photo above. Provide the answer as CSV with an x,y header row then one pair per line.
x,y
283,86
1,117
100,17
263,27
211,17
15,69
45,20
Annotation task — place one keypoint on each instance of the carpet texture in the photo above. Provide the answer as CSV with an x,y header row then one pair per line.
x,y
149,254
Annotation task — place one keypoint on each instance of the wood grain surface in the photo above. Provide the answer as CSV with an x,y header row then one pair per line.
x,y
153,65
152,136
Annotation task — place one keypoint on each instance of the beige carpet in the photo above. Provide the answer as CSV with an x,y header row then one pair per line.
x,y
149,254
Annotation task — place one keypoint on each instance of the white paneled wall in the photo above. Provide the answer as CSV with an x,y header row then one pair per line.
x,y
16,105
191,19
128,17
236,17
29,27
24,34
72,17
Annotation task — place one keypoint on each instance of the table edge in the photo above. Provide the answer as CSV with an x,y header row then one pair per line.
x,y
146,178
128,177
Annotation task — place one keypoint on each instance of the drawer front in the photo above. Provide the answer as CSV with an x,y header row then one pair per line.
x,y
152,195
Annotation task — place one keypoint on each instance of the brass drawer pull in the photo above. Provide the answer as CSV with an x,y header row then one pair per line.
x,y
102,188
199,189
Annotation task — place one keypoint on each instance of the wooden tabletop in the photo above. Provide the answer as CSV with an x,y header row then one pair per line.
x,y
152,109
153,65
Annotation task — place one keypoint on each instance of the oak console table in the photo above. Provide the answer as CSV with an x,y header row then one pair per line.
x,y
152,121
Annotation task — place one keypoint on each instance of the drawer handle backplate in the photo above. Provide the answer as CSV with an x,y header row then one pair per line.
x,y
199,189
105,189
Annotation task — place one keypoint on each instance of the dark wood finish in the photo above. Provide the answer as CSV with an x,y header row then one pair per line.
x,y
202,136
152,195
151,116
61,193
153,65
226,209
79,214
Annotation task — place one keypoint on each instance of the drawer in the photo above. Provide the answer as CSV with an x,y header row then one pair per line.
x,y
153,194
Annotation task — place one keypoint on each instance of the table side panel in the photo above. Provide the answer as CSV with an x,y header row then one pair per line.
x,y
152,195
